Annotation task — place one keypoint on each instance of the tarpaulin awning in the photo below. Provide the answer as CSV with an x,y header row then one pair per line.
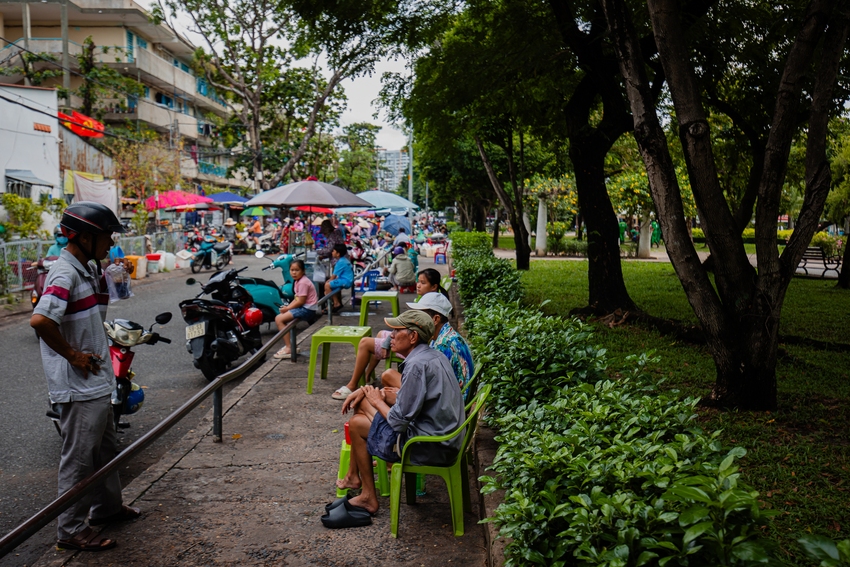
x,y
26,176
175,198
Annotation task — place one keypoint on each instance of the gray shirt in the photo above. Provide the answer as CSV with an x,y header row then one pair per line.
x,y
429,403
73,299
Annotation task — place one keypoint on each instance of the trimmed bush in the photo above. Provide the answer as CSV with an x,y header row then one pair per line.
x,y
469,244
489,279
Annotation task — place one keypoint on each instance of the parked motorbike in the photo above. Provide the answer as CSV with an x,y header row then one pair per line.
x,y
268,297
223,328
43,266
128,396
211,253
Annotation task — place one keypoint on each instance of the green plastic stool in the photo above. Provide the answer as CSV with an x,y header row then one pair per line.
x,y
332,334
383,484
391,296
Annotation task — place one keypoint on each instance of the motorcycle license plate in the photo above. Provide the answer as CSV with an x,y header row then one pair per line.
x,y
195,331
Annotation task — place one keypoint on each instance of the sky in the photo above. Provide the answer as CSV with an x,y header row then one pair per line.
x,y
361,92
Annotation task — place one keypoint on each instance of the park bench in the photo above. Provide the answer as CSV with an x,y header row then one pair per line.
x,y
816,257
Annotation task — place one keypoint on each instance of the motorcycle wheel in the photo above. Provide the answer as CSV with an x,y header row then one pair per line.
x,y
221,262
195,266
210,368
358,271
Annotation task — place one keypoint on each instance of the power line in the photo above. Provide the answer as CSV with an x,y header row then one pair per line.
x,y
110,87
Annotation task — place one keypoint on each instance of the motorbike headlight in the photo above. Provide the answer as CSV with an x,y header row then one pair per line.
x,y
125,336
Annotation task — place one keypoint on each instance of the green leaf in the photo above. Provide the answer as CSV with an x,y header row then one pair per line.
x,y
751,551
687,493
819,548
692,514
644,558
695,531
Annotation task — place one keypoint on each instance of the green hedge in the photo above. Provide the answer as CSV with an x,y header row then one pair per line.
x,y
596,471
467,244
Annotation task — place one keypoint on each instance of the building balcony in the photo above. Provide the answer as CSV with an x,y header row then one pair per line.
x,y
158,117
150,69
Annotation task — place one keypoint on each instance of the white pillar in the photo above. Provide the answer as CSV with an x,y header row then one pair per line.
x,y
542,214
527,224
645,239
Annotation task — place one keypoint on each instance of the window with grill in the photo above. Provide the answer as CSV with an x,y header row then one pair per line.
x,y
19,188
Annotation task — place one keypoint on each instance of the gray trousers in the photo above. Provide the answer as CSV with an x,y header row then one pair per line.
x,y
395,281
89,441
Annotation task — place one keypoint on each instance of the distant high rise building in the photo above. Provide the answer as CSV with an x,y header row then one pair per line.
x,y
393,168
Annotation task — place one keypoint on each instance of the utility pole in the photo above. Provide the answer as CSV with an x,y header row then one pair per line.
x,y
410,170
27,25
66,75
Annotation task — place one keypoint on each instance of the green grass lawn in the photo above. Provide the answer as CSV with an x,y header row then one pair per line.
x,y
798,457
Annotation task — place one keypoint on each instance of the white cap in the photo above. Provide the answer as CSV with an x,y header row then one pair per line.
x,y
434,301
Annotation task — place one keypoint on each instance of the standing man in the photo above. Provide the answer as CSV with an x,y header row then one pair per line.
x,y
69,319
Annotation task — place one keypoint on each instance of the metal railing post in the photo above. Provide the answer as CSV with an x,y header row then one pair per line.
x,y
217,417
293,347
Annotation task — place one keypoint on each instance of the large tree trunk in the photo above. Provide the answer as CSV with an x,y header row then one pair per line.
x,y
740,317
844,275
497,218
607,290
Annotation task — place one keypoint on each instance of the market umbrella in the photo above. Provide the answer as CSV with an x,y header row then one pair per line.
x,y
308,193
384,200
256,212
228,198
308,208
174,198
394,222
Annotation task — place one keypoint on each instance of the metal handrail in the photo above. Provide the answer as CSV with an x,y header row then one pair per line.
x,y
47,514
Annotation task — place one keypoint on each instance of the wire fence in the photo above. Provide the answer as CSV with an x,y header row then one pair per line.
x,y
19,257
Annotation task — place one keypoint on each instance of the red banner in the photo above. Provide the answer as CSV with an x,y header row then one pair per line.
x,y
82,125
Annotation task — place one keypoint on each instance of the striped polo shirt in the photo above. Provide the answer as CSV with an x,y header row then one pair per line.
x,y
72,298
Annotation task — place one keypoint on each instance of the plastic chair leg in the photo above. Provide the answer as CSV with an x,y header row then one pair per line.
x,y
410,487
383,485
395,498
453,483
314,351
344,460
326,357
464,484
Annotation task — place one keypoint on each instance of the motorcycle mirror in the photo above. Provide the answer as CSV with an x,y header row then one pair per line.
x,y
259,254
191,281
163,318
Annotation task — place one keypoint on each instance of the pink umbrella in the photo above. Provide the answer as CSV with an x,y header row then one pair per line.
x,y
175,199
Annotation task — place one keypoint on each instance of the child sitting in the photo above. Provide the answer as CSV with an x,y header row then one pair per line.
x,y
303,307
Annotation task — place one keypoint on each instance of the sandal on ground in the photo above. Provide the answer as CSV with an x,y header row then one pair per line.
x,y
346,516
339,501
282,353
337,309
341,394
125,515
86,540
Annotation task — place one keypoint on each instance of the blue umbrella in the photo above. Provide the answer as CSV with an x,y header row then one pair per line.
x,y
394,222
384,200
228,198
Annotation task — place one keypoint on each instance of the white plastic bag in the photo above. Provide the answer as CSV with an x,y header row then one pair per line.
x,y
319,273
118,282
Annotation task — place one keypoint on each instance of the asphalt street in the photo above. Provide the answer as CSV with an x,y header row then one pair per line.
x,y
29,444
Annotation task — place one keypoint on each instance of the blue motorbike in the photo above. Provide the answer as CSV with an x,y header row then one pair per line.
x,y
268,297
211,253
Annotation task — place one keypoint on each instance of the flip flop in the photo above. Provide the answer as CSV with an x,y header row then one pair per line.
x,y
339,501
125,515
341,394
346,516
87,540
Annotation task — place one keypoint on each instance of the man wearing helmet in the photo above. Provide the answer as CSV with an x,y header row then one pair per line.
x,y
61,242
69,319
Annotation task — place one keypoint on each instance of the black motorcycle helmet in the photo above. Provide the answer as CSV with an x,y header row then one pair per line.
x,y
87,216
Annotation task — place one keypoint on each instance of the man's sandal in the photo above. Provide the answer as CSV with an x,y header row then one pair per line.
x,y
341,394
86,540
125,515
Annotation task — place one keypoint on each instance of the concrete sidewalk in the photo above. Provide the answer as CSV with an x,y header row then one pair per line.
x,y
256,498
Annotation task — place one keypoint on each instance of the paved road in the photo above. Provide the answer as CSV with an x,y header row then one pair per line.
x,y
29,445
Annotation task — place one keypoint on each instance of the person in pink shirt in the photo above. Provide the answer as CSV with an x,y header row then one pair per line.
x,y
303,307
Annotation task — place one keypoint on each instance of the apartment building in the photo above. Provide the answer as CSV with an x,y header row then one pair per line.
x,y
175,102
394,165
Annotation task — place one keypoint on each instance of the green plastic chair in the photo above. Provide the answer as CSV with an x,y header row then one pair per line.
x,y
472,386
454,475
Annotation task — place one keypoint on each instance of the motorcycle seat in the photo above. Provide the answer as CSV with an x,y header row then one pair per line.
x,y
221,246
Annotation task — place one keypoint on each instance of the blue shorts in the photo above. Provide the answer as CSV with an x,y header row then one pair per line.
x,y
381,441
304,314
339,284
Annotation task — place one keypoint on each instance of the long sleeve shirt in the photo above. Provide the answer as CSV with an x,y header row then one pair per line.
x,y
429,402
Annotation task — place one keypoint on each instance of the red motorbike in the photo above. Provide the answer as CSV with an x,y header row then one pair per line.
x,y
43,266
128,396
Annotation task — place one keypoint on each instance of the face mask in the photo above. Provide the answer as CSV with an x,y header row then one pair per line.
x,y
61,240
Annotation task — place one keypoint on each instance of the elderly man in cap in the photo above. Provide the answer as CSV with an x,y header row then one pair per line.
x,y
429,402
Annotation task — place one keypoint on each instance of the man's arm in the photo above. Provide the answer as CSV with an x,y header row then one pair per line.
x,y
48,330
